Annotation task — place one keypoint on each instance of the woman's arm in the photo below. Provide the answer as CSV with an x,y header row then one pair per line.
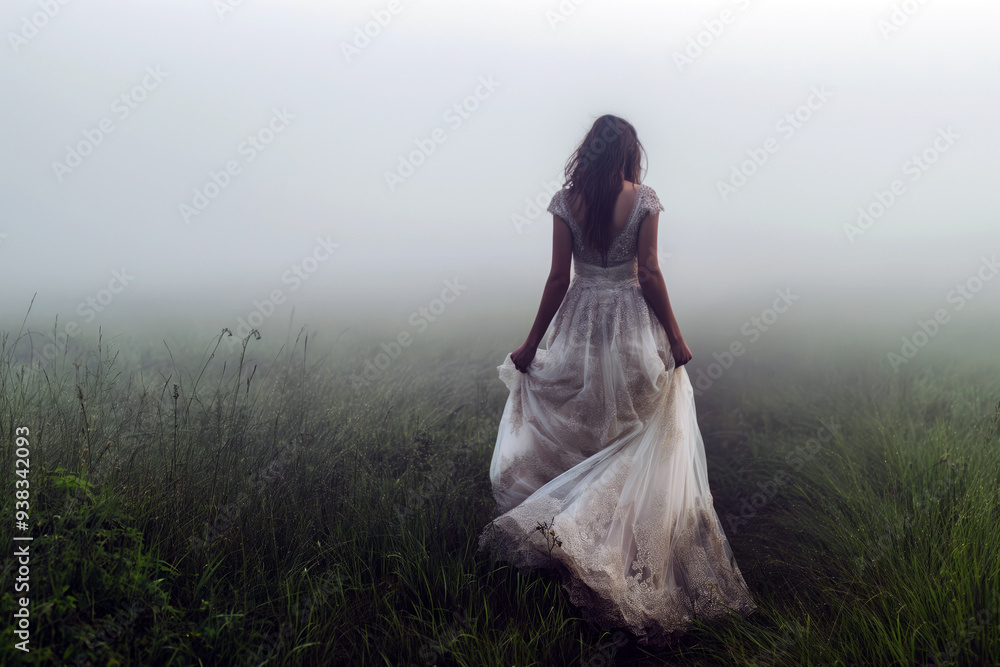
x,y
655,289
552,297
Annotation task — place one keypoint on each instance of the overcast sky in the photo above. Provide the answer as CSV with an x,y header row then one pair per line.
x,y
195,157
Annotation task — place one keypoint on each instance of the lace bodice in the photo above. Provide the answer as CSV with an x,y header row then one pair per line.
x,y
624,246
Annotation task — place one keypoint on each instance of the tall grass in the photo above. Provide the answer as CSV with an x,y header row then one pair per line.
x,y
208,506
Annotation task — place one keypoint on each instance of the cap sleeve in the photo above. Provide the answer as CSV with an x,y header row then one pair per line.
x,y
650,202
558,204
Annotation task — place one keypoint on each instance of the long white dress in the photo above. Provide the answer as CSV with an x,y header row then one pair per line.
x,y
599,442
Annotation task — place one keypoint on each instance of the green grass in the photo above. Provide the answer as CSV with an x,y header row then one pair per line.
x,y
204,506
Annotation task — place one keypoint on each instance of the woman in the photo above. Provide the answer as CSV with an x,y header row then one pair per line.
x,y
599,467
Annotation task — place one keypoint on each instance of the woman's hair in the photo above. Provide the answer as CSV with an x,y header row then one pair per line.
x,y
610,152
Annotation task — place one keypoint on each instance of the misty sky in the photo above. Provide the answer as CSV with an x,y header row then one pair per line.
x,y
120,118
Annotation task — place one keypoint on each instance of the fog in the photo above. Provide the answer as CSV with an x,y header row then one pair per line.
x,y
216,163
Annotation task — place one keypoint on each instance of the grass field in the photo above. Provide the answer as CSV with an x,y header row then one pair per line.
x,y
216,507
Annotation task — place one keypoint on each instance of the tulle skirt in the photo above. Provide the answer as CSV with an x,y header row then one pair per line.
x,y
599,470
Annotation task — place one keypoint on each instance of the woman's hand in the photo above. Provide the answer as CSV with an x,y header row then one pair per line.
x,y
523,355
681,353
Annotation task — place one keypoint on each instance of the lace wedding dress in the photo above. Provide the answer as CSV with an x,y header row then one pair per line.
x,y
599,443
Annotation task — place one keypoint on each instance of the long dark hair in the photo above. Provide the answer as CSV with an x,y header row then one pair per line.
x,y
594,175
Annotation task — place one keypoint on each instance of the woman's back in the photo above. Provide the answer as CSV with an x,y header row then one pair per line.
x,y
622,211
634,203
